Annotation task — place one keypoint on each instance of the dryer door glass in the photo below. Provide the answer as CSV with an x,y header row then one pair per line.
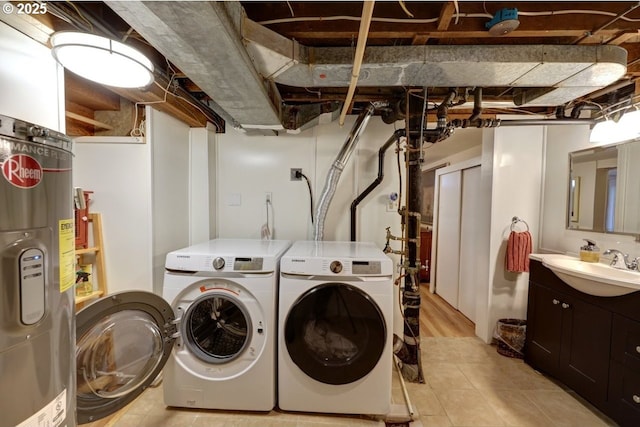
x,y
217,328
335,333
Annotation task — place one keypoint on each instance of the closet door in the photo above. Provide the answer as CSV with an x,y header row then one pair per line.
x,y
468,277
448,240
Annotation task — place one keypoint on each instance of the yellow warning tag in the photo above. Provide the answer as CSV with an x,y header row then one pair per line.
x,y
67,245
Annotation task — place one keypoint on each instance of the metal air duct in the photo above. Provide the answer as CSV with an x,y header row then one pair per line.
x,y
331,183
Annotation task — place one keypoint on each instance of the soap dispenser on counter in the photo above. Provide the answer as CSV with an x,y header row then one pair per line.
x,y
589,252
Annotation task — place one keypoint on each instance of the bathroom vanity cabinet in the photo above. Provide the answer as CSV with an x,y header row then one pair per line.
x,y
590,343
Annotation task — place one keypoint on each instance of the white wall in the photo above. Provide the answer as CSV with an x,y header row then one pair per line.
x,y
170,164
200,142
120,177
516,180
247,168
153,197
31,82
250,166
561,140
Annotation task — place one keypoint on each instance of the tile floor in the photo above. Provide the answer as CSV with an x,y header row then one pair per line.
x,y
467,384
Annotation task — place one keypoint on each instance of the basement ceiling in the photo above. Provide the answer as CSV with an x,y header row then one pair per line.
x,y
279,65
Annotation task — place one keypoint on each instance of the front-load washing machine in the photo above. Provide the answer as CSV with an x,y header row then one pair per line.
x,y
224,297
335,328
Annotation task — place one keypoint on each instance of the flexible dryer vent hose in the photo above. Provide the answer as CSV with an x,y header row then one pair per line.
x,y
331,183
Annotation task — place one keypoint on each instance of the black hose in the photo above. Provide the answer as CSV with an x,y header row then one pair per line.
x,y
354,205
310,194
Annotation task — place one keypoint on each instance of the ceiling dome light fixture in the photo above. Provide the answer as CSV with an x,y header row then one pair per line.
x,y
101,60
604,131
609,131
630,123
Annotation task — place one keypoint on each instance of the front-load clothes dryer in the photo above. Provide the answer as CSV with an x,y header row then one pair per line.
x,y
335,328
224,297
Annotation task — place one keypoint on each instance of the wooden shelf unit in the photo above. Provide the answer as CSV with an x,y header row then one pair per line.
x,y
93,255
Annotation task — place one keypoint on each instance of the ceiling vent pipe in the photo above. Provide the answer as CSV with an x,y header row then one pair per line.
x,y
331,183
395,137
477,104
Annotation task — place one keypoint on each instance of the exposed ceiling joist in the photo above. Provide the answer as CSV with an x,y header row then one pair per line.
x,y
248,57
446,15
175,101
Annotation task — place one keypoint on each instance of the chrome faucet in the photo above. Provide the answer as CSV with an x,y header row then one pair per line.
x,y
621,260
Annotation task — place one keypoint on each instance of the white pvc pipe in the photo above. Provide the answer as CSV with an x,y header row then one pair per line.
x,y
365,22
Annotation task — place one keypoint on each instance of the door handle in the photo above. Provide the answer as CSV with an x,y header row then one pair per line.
x,y
555,301
565,305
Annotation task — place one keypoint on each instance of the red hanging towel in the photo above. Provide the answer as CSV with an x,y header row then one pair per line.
x,y
519,247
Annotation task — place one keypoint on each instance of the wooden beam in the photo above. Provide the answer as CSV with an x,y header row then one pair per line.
x,y
176,103
91,95
623,38
420,39
76,128
446,14
79,109
87,120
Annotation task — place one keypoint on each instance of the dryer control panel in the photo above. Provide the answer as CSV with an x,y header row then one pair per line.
x,y
247,264
366,267
336,267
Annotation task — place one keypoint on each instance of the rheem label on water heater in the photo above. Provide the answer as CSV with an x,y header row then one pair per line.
x,y
22,171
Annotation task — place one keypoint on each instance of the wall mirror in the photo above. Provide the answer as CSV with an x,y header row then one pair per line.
x,y
604,189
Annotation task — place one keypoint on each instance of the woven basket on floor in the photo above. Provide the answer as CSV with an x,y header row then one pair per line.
x,y
511,334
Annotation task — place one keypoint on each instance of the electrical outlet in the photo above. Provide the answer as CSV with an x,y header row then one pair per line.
x,y
294,174
267,197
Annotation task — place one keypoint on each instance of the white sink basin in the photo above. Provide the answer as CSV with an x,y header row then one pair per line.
x,y
592,278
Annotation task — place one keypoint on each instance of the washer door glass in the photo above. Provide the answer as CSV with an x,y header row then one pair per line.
x,y
335,333
217,328
122,343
